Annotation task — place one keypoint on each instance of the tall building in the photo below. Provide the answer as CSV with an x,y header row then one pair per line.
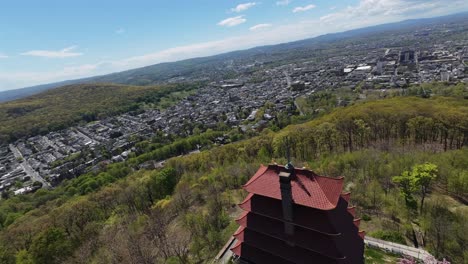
x,y
407,56
296,216
445,76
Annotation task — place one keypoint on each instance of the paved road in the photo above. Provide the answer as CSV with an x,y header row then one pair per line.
x,y
15,151
34,175
288,78
28,169
417,253
50,143
83,135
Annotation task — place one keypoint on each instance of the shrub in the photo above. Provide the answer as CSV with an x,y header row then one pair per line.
x,y
392,236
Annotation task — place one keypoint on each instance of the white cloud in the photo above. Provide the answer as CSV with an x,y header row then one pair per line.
x,y
303,8
120,31
3,56
365,13
232,21
373,12
243,7
283,2
259,27
64,53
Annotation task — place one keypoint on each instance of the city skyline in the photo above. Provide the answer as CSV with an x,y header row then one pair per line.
x,y
48,42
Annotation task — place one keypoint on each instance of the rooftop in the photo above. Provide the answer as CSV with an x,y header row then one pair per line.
x,y
308,189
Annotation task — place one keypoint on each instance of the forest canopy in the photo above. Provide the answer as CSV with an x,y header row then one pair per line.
x,y
184,212
66,106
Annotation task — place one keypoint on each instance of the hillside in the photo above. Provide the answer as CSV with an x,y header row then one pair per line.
x,y
62,107
184,212
231,64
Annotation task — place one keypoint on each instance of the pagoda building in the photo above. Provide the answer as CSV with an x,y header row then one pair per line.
x,y
296,216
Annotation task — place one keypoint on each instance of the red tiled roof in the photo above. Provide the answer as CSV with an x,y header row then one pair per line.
x,y
357,222
308,188
346,196
352,210
362,234
237,248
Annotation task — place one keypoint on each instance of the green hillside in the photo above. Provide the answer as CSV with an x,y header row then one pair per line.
x,y
184,212
62,107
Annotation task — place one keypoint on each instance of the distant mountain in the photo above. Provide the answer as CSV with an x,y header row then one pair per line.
x,y
219,66
25,92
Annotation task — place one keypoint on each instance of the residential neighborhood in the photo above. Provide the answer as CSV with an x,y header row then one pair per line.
x,y
45,160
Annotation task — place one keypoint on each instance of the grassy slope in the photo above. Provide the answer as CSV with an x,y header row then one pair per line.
x,y
65,106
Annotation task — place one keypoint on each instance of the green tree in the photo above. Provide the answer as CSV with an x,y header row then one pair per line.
x,y
439,224
362,132
163,183
458,182
405,182
423,176
419,179
6,256
5,195
50,246
375,190
264,154
23,257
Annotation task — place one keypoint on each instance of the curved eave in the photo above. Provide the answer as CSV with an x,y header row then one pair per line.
x,y
362,234
237,248
346,196
357,222
242,216
334,197
352,210
245,201
259,173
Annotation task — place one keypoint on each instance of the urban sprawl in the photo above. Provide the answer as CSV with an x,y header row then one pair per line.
x,y
44,161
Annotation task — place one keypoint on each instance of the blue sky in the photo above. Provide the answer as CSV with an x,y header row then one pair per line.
x,y
47,41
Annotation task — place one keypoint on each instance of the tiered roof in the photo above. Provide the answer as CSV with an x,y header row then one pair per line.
x,y
325,230
308,188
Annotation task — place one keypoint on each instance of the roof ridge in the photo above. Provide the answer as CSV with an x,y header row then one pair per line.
x,y
257,175
341,179
313,177
324,194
